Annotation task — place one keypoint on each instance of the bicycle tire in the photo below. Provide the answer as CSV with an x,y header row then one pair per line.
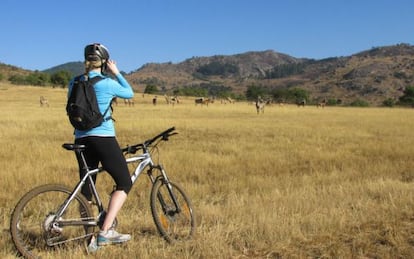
x,y
171,225
32,213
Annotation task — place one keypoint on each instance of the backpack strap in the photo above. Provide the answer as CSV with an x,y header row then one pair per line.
x,y
93,81
106,111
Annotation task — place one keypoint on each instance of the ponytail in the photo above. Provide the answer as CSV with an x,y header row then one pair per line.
x,y
90,65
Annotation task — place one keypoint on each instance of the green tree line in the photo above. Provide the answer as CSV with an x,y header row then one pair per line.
x,y
291,95
200,90
60,78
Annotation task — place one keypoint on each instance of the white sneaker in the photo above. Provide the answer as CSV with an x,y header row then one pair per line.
x,y
112,237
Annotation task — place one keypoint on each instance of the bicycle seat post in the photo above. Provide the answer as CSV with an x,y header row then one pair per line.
x,y
82,156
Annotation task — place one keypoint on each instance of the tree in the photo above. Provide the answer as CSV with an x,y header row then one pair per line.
x,y
359,103
192,91
253,91
290,95
151,89
17,79
408,97
389,102
38,79
60,78
280,95
299,94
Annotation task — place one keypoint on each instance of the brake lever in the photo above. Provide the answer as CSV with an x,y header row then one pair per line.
x,y
167,136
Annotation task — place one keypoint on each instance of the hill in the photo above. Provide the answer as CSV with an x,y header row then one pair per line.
x,y
6,71
373,75
74,68
235,71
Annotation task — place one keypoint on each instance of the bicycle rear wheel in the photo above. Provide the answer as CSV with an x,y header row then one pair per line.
x,y
172,224
31,230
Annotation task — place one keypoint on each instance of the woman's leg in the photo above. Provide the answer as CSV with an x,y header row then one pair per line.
x,y
113,161
115,204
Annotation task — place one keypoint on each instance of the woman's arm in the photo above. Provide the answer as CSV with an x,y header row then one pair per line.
x,y
125,91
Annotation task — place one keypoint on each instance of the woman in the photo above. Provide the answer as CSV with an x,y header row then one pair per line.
x,y
101,143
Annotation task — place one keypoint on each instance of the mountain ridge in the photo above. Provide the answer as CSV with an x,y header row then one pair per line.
x,y
373,75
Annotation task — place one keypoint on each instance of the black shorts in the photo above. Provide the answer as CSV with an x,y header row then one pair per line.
x,y
105,150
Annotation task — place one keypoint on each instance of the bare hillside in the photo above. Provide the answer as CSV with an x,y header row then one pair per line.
x,y
373,75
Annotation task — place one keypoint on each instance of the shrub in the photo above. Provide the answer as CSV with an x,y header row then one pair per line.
x,y
389,102
359,103
151,89
408,97
60,78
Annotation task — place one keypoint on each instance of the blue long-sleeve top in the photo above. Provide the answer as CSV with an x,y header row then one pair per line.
x,y
106,90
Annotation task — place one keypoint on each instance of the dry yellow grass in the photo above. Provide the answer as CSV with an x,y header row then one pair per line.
x,y
291,183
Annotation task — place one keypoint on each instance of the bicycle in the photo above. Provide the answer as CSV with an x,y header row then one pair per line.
x,y
52,217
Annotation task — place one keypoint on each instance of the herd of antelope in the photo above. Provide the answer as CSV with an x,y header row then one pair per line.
x,y
127,102
259,104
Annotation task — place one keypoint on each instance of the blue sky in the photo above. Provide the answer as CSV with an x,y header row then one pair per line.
x,y
41,34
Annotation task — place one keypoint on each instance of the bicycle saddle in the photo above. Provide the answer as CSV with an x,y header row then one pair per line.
x,y
76,147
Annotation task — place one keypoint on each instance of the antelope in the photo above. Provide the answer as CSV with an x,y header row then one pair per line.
x,y
129,102
260,105
230,100
167,99
114,101
202,101
322,103
171,100
174,100
43,101
301,103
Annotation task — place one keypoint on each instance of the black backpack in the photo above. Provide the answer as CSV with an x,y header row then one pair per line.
x,y
82,106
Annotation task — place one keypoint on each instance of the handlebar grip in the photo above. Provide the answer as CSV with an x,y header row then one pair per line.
x,y
164,135
170,130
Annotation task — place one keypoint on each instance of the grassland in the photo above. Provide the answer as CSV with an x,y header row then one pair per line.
x,y
289,183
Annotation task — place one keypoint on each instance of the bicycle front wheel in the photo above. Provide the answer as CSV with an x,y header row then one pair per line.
x,y
32,231
173,222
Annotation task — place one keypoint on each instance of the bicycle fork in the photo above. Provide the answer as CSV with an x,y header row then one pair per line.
x,y
164,178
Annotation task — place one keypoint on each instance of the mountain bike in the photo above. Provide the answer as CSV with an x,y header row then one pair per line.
x,y
53,217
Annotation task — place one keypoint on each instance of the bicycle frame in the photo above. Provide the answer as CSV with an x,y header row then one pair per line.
x,y
145,161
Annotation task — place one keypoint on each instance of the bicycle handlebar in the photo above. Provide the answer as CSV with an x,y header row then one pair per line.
x,y
163,135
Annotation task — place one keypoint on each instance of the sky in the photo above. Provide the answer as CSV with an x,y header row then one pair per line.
x,y
41,34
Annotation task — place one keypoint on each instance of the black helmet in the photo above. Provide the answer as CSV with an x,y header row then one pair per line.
x,y
95,52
